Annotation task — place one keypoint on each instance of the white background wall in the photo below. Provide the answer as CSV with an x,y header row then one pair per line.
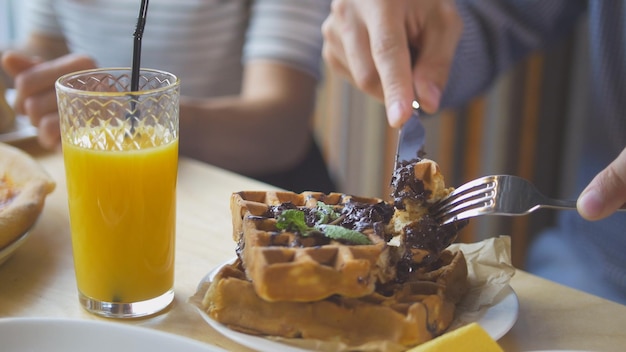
x,y
10,24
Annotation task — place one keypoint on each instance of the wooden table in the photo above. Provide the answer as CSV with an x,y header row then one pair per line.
x,y
38,281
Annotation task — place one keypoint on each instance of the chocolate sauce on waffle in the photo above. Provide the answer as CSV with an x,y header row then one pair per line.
x,y
405,185
354,215
423,240
360,216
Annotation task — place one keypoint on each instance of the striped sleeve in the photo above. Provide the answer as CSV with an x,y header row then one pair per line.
x,y
288,31
41,18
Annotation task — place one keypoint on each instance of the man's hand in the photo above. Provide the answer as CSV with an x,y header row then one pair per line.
x,y
35,93
606,192
368,41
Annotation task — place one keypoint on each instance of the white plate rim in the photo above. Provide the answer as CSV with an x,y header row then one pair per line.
x,y
22,129
497,320
13,329
7,252
500,317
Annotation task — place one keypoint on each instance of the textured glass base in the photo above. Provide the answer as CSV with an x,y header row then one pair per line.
x,y
127,310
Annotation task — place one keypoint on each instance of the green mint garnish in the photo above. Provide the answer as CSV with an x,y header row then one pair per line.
x,y
294,220
341,233
325,213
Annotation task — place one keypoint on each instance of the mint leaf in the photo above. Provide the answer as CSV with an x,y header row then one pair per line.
x,y
341,233
325,213
292,220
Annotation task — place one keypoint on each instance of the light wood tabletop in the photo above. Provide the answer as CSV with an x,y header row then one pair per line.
x,y
38,280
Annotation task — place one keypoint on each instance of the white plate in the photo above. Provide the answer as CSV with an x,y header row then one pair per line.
x,y
497,320
23,129
71,335
6,252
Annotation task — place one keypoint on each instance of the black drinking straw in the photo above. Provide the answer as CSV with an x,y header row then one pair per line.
x,y
134,74
141,23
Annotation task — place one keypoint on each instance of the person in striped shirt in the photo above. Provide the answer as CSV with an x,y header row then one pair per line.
x,y
249,72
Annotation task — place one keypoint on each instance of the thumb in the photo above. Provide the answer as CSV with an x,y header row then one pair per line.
x,y
14,62
606,192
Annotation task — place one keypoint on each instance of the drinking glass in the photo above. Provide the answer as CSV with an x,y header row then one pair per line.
x,y
121,157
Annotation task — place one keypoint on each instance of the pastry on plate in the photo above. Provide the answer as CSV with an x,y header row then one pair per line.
x,y
24,185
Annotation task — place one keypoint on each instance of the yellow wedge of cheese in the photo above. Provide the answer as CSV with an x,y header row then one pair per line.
x,y
468,338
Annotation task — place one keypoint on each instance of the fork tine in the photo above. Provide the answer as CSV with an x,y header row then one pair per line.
x,y
471,199
448,218
471,184
484,200
453,200
464,193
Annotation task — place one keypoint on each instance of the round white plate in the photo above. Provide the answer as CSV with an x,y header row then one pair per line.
x,y
7,251
497,320
23,129
72,335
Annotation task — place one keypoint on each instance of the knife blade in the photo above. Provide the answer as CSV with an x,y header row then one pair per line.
x,y
411,137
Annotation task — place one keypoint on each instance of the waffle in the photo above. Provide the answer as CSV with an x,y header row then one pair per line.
x,y
407,314
284,266
417,185
292,282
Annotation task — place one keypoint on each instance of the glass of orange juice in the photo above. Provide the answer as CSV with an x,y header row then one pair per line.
x,y
121,158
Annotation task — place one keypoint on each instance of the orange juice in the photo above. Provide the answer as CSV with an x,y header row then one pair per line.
x,y
123,218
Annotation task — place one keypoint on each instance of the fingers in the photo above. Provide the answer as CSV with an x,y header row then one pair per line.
x,y
15,63
332,50
368,42
39,105
49,131
606,192
390,54
346,48
35,92
437,43
365,41
41,77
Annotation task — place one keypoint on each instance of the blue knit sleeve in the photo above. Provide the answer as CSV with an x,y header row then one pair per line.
x,y
499,33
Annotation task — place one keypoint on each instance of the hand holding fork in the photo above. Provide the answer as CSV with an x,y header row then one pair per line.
x,y
496,195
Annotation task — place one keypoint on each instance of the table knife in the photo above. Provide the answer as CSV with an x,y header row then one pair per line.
x,y
411,137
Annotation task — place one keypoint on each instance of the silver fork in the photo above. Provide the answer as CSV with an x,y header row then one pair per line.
x,y
495,195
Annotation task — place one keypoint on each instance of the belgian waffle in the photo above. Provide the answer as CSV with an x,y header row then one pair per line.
x,y
406,313
288,284
284,266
